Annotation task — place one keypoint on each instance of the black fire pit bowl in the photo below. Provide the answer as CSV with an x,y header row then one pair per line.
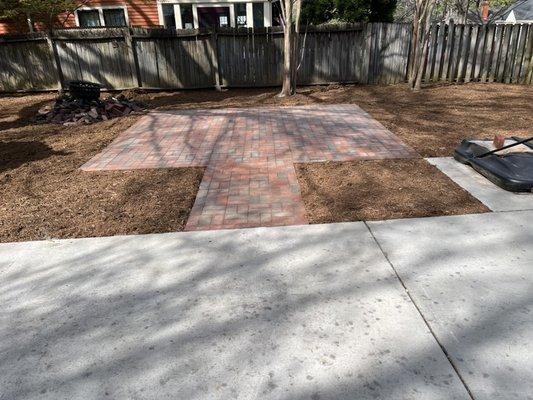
x,y
84,90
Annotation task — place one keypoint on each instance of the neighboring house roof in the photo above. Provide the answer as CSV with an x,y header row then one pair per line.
x,y
523,12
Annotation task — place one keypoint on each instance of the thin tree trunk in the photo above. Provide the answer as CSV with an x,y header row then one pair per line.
x,y
291,17
423,55
286,8
30,22
421,27
287,48
295,45
414,52
287,60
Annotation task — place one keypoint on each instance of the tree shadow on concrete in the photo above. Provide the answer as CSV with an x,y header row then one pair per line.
x,y
273,314
226,314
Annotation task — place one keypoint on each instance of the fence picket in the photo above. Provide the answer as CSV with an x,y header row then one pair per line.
x,y
496,50
480,52
502,61
509,62
438,54
487,53
528,57
519,54
471,54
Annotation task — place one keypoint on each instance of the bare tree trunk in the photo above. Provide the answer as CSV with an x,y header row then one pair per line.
x,y
291,20
414,52
419,45
295,45
286,10
423,54
30,22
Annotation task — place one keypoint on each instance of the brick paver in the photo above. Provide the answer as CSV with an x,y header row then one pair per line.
x,y
249,153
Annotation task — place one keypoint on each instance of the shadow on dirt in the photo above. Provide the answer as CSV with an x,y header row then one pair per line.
x,y
14,154
24,117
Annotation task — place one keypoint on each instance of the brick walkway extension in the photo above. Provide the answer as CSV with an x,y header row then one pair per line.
x,y
249,155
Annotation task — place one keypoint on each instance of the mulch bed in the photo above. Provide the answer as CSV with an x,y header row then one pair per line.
x,y
44,195
380,189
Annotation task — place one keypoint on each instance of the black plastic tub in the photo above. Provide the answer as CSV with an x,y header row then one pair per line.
x,y
84,90
512,172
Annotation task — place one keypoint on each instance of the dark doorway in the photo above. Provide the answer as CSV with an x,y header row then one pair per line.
x,y
213,16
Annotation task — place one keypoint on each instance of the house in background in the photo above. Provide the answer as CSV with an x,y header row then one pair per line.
x,y
522,13
112,13
188,14
177,14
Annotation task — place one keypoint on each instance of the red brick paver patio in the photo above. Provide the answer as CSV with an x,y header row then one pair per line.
x,y
249,154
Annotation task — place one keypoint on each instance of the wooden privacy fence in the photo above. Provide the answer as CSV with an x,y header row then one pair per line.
x,y
480,53
121,58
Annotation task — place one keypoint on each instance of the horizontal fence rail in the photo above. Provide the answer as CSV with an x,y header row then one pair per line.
x,y
369,53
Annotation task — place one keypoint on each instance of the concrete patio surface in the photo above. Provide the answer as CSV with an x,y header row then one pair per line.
x,y
472,277
300,312
309,312
494,197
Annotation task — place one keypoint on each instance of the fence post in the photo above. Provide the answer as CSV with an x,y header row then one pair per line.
x,y
214,58
57,61
132,55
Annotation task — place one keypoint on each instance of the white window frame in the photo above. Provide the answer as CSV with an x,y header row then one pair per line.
x,y
231,7
215,3
177,13
250,15
100,10
267,13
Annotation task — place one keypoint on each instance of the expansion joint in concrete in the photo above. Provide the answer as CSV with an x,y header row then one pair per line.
x,y
418,309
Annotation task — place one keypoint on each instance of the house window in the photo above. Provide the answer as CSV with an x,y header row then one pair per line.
x,y
100,16
223,21
240,14
186,16
276,14
114,17
169,18
259,15
89,18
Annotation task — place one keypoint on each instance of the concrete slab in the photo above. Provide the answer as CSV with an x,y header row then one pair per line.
x,y
472,277
494,197
308,312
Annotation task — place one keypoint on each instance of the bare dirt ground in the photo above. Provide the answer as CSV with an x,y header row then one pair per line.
x,y
44,195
